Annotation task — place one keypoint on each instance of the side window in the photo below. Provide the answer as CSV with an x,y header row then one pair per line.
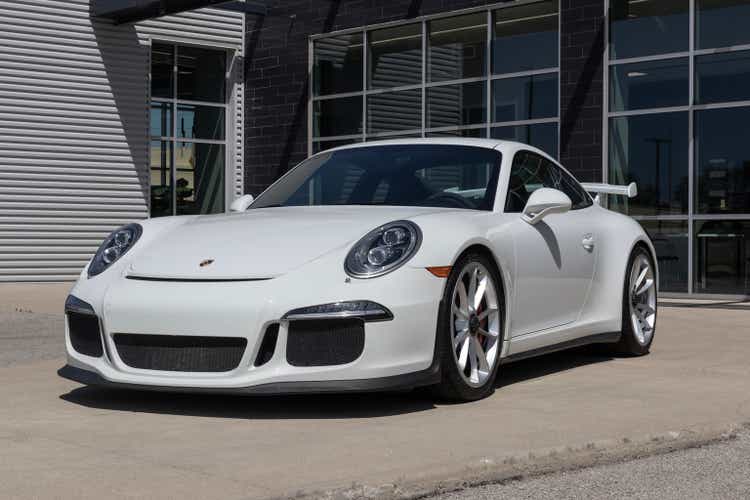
x,y
564,182
530,172
527,174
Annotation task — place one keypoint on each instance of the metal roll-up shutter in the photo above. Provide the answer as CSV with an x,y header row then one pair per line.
x,y
74,145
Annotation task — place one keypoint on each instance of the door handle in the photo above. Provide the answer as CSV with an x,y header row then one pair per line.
x,y
588,242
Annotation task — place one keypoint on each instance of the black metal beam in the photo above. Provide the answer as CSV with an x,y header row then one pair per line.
x,y
131,11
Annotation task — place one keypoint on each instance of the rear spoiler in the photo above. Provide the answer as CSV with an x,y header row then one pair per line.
x,y
631,190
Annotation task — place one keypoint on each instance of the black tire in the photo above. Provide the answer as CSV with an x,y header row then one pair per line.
x,y
453,386
629,344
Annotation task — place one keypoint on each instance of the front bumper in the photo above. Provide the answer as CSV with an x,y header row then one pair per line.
x,y
397,354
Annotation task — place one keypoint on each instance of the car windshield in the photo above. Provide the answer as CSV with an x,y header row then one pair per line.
x,y
422,175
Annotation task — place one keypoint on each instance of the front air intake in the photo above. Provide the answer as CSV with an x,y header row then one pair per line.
x,y
324,342
180,353
85,337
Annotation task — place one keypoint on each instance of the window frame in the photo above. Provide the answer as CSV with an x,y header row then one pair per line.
x,y
172,140
693,217
484,128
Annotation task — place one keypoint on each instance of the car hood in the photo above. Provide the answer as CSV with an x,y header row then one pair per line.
x,y
259,243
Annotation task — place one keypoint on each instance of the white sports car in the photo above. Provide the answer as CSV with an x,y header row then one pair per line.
x,y
376,266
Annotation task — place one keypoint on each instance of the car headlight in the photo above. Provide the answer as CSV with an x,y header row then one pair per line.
x,y
383,250
114,247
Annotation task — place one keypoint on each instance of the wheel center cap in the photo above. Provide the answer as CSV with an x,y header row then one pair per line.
x,y
473,323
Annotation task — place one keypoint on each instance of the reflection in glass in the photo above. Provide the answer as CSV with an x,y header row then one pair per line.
x,y
391,111
395,56
654,84
201,74
457,47
651,150
162,70
721,23
722,77
539,135
524,98
319,146
337,64
722,250
200,122
466,132
722,160
525,37
338,116
670,239
455,105
199,178
647,27
161,178
161,119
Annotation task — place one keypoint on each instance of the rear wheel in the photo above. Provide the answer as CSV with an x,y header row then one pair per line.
x,y
470,329
639,305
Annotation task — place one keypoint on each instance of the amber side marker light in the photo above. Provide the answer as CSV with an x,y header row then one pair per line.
x,y
440,271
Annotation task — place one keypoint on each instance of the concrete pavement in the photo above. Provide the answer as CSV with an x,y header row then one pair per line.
x,y
58,439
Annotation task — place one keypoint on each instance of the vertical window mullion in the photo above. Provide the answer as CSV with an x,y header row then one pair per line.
x,y
424,76
365,83
691,146
488,72
173,166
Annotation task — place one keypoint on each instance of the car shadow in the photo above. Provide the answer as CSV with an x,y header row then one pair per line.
x,y
320,406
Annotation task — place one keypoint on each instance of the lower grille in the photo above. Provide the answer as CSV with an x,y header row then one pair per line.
x,y
324,342
180,353
83,330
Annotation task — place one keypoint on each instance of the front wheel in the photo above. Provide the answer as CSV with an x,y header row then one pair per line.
x,y
470,329
639,305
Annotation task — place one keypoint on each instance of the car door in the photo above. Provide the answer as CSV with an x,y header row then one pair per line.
x,y
554,259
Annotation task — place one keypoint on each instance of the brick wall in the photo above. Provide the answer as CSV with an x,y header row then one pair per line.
x,y
276,79
581,87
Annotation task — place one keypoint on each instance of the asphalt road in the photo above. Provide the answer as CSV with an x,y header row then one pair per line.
x,y
560,412
720,471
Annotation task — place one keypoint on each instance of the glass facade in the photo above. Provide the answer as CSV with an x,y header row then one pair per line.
x,y
679,125
188,130
488,73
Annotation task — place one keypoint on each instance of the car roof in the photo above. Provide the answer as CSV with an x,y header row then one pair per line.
x,y
499,144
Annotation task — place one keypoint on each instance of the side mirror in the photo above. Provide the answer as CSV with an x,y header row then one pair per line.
x,y
241,203
543,202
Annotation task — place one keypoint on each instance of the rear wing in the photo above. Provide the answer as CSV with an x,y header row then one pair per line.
x,y
631,190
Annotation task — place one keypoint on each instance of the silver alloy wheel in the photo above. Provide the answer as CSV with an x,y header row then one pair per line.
x,y
642,299
475,324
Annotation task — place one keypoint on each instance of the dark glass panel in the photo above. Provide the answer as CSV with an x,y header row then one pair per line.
x,y
199,178
525,37
539,135
455,105
339,116
161,119
647,27
722,77
337,64
392,111
722,263
162,70
161,178
395,56
458,47
201,74
524,98
721,23
722,160
651,150
466,132
653,84
670,239
319,146
200,122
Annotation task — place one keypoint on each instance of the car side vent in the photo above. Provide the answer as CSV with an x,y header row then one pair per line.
x,y
84,334
268,345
